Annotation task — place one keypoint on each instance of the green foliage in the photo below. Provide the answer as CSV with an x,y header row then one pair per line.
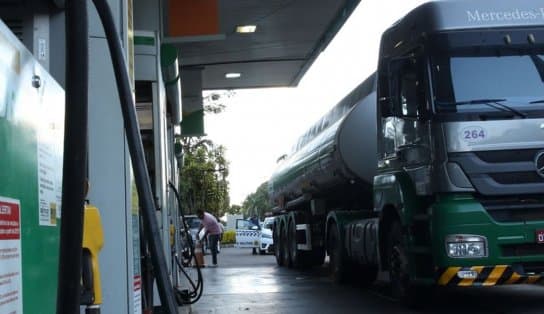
x,y
214,102
203,177
257,203
234,209
229,237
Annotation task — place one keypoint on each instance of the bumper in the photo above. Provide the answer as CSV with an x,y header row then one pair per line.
x,y
487,276
513,254
267,247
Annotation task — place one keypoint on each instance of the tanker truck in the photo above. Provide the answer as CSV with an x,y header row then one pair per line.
x,y
431,171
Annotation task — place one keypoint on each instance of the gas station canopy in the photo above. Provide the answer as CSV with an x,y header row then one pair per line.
x,y
280,41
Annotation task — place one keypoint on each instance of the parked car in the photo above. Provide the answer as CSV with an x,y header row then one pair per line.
x,y
267,243
193,223
248,235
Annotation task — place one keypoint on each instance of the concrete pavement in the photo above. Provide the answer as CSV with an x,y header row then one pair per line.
x,y
246,283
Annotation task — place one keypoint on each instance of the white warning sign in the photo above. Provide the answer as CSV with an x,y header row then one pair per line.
x,y
11,283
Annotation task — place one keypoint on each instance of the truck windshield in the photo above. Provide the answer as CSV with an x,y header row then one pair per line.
x,y
461,82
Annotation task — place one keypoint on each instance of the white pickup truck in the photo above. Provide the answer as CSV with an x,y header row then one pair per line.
x,y
248,235
258,238
267,244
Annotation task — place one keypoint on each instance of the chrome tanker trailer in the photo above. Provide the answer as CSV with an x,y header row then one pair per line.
x,y
431,170
327,168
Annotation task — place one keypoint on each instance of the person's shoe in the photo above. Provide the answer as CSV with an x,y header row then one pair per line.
x,y
213,265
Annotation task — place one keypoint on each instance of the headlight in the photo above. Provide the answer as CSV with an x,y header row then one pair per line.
x,y
266,236
466,246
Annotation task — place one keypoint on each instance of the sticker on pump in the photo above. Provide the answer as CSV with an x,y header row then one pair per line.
x,y
540,236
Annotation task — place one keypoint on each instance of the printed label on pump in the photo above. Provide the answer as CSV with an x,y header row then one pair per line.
x,y
11,283
49,150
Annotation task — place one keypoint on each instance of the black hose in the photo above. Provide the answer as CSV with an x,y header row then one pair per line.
x,y
199,287
75,157
138,158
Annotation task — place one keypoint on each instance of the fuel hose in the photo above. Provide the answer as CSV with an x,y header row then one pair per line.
x,y
136,149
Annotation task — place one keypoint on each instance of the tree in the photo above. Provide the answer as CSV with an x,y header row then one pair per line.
x,y
257,203
234,209
213,102
203,177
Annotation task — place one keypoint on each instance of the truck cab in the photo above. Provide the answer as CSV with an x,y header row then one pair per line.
x,y
461,145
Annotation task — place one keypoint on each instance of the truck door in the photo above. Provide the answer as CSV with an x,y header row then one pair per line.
x,y
411,126
248,235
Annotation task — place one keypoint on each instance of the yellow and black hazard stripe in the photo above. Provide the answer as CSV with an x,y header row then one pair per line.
x,y
487,276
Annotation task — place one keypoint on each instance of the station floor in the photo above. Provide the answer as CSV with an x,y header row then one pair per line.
x,y
246,283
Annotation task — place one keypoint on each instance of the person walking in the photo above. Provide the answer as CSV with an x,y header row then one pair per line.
x,y
212,230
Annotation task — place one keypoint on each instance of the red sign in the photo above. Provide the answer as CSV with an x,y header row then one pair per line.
x,y
137,283
9,221
540,236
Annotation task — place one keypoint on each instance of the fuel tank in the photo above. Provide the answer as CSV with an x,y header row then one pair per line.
x,y
337,152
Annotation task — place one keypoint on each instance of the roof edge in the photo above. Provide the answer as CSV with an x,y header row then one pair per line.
x,y
333,28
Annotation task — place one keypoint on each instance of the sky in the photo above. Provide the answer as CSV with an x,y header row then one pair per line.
x,y
259,125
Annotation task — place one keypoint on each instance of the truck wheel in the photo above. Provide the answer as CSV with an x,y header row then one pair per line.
x,y
284,241
292,239
398,266
337,260
278,250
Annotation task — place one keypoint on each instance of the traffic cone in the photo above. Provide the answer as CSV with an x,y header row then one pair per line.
x,y
198,254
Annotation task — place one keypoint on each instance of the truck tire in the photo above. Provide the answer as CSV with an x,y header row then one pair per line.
x,y
294,253
276,235
397,260
284,243
337,260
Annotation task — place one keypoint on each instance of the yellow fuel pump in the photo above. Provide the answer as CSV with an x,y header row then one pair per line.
x,y
93,240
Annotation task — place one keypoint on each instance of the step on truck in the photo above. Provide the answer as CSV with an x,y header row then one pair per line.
x,y
432,169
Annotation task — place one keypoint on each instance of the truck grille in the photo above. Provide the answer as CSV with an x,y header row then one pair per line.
x,y
517,177
508,155
514,210
508,172
525,249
